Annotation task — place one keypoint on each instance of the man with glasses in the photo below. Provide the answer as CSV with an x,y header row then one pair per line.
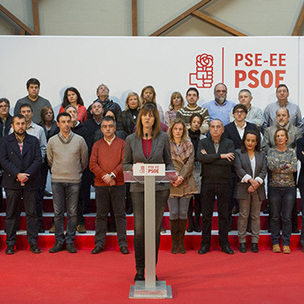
x,y
220,107
106,163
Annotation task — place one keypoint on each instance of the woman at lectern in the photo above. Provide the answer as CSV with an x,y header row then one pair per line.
x,y
183,188
147,145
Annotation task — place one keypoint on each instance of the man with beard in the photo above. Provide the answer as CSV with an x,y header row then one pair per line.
x,y
20,157
220,107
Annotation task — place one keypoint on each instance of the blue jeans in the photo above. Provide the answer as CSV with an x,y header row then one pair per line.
x,y
65,192
281,200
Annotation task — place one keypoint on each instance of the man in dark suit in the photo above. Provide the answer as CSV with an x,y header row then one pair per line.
x,y
235,131
20,157
216,153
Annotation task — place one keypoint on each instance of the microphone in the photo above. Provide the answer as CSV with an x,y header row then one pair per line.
x,y
147,145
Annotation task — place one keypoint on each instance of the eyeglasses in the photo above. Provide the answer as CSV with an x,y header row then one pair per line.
x,y
5,106
239,112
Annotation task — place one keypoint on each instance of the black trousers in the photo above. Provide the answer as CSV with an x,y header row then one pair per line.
x,y
13,200
223,194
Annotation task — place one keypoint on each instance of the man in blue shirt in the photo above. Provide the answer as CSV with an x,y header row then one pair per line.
x,y
220,108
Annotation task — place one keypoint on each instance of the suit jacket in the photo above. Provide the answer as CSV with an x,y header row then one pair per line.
x,y
243,167
128,122
214,168
232,133
160,154
13,162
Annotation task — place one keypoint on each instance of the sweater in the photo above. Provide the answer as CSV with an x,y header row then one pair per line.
x,y
107,158
67,158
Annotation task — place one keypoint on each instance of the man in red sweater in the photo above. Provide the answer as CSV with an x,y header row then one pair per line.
x,y
106,163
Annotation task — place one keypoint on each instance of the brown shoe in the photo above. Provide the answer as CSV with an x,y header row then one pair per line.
x,y
286,249
276,248
52,229
81,229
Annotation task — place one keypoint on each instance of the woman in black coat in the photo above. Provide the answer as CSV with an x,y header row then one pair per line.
x,y
130,114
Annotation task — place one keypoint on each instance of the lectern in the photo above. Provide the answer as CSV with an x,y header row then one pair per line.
x,y
149,174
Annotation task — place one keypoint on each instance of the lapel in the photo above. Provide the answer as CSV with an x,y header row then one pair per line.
x,y
26,145
15,145
154,145
258,163
235,132
247,160
138,144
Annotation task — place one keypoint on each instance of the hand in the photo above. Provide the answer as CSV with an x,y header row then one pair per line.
x,y
255,184
22,177
203,151
229,156
112,183
250,190
107,178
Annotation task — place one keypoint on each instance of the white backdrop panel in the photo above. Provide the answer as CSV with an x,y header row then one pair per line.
x,y
130,63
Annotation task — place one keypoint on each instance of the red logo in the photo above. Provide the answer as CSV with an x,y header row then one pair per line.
x,y
203,78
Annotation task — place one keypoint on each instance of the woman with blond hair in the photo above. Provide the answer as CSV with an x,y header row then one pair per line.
x,y
176,103
130,114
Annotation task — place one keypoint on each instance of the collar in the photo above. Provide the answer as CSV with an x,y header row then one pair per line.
x,y
110,141
65,140
220,105
285,127
32,126
241,128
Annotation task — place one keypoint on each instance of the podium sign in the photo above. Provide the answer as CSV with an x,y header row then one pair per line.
x,y
150,288
149,170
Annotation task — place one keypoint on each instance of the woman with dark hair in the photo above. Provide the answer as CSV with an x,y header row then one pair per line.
x,y
147,145
181,189
72,97
282,162
176,103
148,94
130,114
194,133
251,168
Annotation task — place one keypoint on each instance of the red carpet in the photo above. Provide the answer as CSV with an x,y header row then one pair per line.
x,y
106,278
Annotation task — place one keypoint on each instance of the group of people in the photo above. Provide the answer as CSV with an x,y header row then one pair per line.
x,y
215,149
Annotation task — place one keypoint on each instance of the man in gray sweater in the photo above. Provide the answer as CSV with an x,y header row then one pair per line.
x,y
67,155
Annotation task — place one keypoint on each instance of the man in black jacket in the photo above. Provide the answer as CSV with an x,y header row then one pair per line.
x,y
107,104
216,154
20,157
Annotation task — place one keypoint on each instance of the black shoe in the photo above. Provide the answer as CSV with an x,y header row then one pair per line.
x,y
71,248
295,230
227,249
190,229
197,229
47,193
57,247
243,248
34,248
41,230
235,210
254,247
124,250
204,249
97,250
139,277
10,250
267,209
